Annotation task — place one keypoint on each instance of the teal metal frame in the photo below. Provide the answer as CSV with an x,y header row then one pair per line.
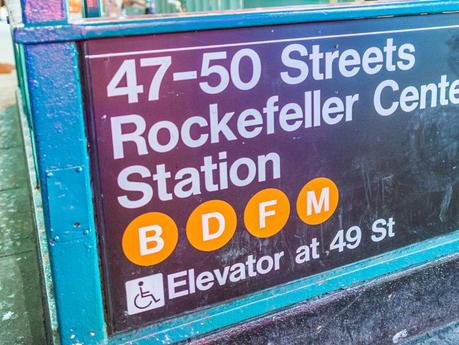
x,y
52,89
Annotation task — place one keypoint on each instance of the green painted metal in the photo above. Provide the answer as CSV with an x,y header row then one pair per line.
x,y
92,8
41,12
272,3
102,27
165,6
63,170
218,5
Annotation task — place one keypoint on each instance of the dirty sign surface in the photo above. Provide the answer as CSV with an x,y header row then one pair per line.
x,y
231,161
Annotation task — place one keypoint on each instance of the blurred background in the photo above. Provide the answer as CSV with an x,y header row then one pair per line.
x,y
6,48
115,8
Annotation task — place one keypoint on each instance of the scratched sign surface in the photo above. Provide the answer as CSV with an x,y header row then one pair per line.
x,y
230,161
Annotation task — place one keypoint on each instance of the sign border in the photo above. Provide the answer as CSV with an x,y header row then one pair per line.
x,y
55,97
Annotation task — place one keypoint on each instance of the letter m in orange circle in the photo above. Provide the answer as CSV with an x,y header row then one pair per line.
x,y
317,201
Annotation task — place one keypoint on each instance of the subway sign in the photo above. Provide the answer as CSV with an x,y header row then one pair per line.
x,y
226,162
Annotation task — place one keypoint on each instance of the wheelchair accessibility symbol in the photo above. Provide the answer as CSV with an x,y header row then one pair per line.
x,y
145,294
144,299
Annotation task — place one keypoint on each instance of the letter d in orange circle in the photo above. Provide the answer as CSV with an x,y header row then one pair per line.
x,y
211,225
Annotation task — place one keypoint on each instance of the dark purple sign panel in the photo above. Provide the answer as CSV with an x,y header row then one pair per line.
x,y
231,161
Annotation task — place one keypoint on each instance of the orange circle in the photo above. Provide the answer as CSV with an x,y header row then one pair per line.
x,y
211,225
317,201
150,238
266,213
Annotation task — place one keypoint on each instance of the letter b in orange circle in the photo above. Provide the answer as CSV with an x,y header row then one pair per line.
x,y
211,225
150,238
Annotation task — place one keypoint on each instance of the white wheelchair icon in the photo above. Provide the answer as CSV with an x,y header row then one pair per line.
x,y
144,299
144,294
